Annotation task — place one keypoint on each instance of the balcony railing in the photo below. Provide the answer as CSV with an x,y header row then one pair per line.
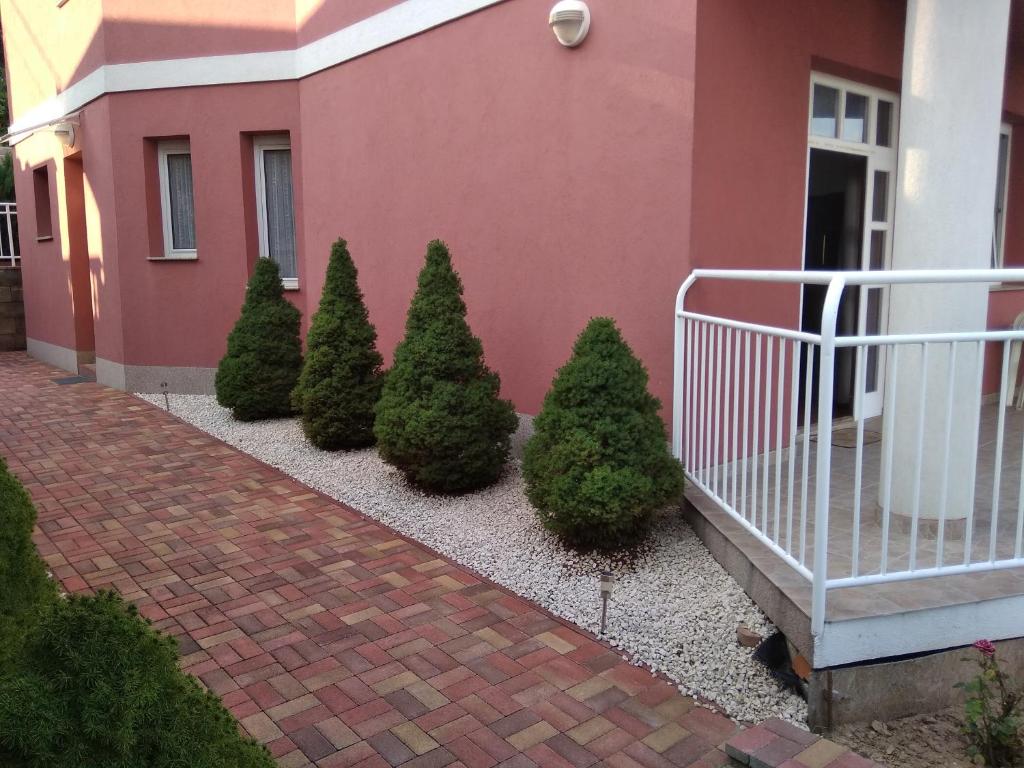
x,y
753,417
10,251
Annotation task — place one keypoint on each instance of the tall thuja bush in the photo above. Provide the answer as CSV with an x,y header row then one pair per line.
x,y
341,375
439,418
97,687
598,464
256,377
25,588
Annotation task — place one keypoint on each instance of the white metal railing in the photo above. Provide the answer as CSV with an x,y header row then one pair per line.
x,y
743,426
10,251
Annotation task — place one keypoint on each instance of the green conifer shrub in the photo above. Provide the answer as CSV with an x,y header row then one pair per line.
x,y
98,687
598,464
439,418
256,377
25,588
341,374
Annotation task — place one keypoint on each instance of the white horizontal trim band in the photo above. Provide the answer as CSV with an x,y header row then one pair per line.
x,y
390,26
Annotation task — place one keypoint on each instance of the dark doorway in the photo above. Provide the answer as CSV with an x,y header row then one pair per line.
x,y
834,241
78,260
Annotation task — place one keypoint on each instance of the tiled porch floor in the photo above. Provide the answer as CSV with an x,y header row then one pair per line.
x,y
334,640
888,598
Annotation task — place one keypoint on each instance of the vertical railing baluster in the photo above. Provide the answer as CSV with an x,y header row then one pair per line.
x,y
779,416
701,401
972,469
687,427
794,406
716,424
940,544
767,431
725,419
755,427
858,469
915,513
746,419
998,468
887,450
805,480
735,419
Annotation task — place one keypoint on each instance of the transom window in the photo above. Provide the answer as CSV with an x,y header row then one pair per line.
x,y
851,115
275,209
177,199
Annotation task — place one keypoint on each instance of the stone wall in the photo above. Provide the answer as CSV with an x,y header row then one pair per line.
x,y
12,310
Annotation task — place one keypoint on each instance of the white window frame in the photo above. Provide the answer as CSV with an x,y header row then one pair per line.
x,y
999,244
164,150
260,145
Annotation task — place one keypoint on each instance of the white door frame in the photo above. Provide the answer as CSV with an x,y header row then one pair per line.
x,y
882,160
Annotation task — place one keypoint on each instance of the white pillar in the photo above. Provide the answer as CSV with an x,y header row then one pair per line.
x,y
954,60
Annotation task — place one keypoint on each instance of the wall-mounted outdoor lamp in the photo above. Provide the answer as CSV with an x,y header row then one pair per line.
x,y
607,580
65,131
570,21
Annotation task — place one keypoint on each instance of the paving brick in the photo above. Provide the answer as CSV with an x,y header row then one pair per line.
x,y
333,639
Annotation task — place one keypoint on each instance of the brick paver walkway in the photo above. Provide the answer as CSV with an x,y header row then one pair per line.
x,y
331,638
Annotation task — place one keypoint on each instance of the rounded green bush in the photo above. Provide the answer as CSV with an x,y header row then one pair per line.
x,y
98,687
439,418
598,464
25,587
341,374
256,377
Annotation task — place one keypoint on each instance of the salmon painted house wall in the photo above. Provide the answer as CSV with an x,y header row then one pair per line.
x,y
568,183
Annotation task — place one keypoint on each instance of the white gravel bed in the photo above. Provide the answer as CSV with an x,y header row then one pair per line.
x,y
673,607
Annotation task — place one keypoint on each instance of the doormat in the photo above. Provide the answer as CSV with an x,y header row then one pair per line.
x,y
72,380
847,438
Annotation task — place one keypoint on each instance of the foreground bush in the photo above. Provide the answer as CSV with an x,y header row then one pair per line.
x,y
256,377
341,375
440,419
598,465
97,687
25,588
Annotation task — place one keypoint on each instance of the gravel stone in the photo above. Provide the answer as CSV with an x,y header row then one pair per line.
x,y
673,607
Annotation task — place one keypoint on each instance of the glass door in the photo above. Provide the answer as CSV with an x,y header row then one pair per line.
x,y
860,120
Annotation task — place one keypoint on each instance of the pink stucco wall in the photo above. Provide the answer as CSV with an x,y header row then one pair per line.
x,y
559,178
568,183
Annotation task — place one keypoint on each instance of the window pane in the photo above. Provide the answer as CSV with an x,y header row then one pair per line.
x,y
179,183
855,120
883,130
277,174
872,327
880,203
823,112
1000,210
877,255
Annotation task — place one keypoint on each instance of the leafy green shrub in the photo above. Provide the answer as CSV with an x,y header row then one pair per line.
x,y
994,712
440,419
598,464
341,375
98,687
256,377
25,588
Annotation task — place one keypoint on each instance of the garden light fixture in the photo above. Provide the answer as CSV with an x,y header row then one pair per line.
x,y
607,580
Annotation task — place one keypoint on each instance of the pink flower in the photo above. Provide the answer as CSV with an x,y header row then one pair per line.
x,y
986,648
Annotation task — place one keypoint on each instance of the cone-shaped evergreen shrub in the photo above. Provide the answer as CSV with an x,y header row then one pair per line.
x,y
598,464
256,377
341,375
439,418
25,589
98,686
